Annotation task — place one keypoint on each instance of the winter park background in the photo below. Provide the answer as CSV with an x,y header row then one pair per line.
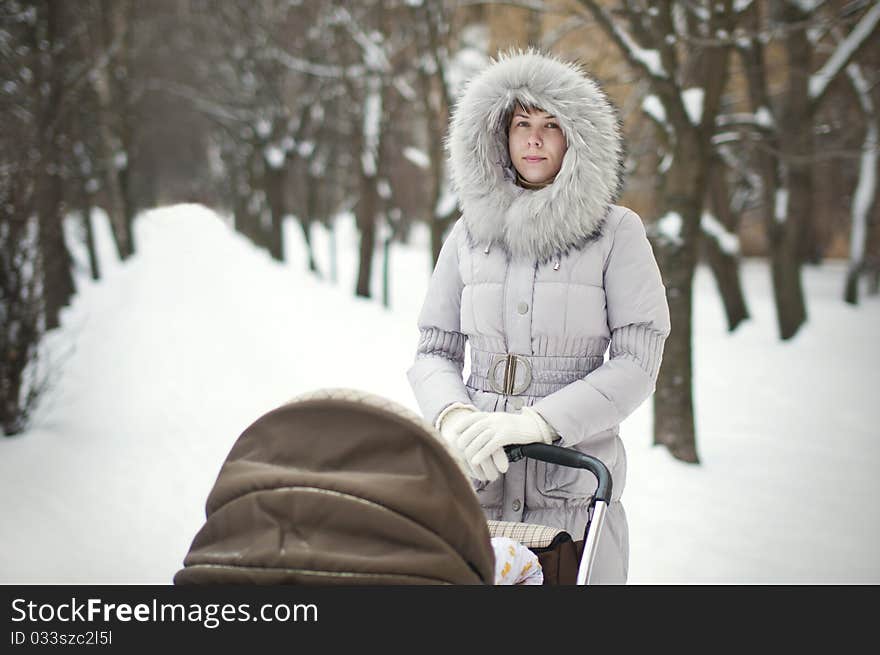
x,y
168,358
752,148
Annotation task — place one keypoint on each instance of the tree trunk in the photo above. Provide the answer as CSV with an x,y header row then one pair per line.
x,y
105,90
438,228
724,263
809,247
369,202
55,259
312,187
274,178
127,207
791,311
851,289
673,400
386,272
725,268
789,224
367,207
20,306
56,262
125,24
865,193
94,265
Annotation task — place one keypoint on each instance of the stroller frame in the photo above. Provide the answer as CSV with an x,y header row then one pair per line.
x,y
598,504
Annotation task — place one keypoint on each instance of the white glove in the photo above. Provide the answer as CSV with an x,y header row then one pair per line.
x,y
454,420
484,440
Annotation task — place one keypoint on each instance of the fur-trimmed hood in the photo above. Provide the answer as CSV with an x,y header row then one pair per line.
x,y
569,212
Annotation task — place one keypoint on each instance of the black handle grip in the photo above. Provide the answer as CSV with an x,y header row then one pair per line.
x,y
566,457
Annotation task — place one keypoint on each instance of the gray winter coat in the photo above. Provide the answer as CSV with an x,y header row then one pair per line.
x,y
540,286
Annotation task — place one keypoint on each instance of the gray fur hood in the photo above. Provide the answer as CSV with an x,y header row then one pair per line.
x,y
570,212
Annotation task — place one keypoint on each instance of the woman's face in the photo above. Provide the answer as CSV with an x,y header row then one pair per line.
x,y
536,144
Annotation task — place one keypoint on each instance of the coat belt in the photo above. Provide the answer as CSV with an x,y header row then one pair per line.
x,y
510,374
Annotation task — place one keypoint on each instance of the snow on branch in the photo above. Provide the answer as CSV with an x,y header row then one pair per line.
x,y
299,65
417,157
727,241
693,103
866,189
762,120
375,58
647,60
844,53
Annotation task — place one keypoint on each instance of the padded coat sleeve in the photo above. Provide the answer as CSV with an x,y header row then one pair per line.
x,y
436,376
638,320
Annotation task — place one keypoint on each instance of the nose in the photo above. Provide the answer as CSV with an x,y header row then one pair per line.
x,y
535,139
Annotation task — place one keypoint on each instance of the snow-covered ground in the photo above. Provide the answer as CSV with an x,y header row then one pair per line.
x,y
165,361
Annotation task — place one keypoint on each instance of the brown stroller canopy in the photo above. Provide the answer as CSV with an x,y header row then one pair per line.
x,y
340,487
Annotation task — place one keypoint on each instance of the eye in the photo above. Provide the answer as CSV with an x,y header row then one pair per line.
x,y
553,125
522,124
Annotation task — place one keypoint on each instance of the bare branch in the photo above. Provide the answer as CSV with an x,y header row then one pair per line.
x,y
844,54
648,61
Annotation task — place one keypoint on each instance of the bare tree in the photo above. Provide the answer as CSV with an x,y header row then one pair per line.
x,y
865,195
783,131
22,176
673,46
434,41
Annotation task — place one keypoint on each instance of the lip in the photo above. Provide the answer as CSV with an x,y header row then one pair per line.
x,y
534,159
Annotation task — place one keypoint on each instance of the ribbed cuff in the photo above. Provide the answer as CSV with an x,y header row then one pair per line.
x,y
434,342
449,408
640,344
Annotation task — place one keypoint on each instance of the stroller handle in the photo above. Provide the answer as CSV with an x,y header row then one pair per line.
x,y
566,457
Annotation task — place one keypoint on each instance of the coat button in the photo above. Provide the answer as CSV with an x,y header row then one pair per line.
x,y
516,403
523,307
516,505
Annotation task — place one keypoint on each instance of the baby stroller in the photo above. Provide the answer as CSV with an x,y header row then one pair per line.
x,y
344,487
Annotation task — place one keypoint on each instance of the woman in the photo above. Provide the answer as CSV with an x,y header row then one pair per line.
x,y
540,276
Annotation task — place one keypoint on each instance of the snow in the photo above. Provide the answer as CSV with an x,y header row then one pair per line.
x,y
383,189
371,125
669,227
728,242
417,157
470,58
844,51
404,89
780,205
263,128
170,356
764,117
650,59
446,203
807,6
275,156
652,106
693,103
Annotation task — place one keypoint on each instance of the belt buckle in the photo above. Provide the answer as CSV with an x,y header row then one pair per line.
x,y
511,363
